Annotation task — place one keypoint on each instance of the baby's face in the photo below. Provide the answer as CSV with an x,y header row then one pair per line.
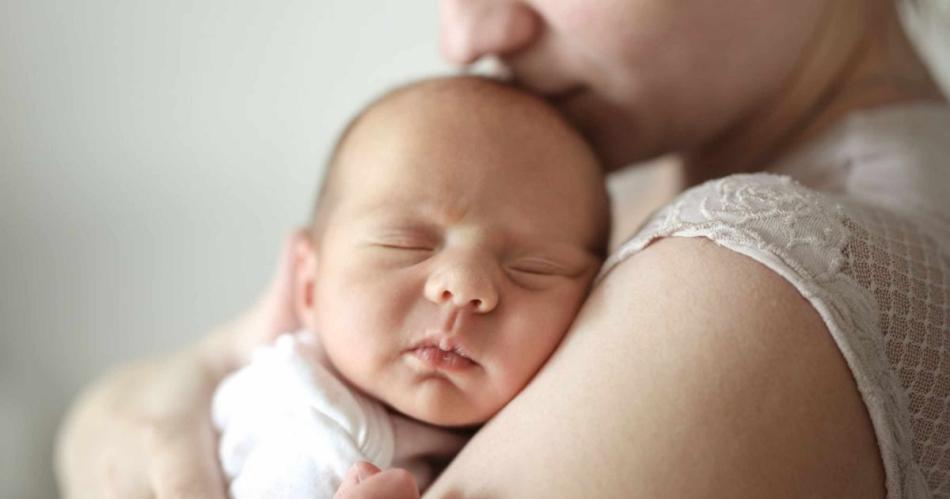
x,y
460,247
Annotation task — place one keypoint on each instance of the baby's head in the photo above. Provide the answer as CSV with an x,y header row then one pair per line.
x,y
459,228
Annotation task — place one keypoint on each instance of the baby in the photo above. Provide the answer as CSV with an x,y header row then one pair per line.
x,y
459,227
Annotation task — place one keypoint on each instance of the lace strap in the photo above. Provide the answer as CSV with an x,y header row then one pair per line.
x,y
802,235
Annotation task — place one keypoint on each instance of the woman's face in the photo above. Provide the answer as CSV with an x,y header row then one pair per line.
x,y
640,77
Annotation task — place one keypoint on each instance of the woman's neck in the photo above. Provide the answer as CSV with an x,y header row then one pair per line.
x,y
860,58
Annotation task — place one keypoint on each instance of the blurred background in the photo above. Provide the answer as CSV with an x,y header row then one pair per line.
x,y
152,156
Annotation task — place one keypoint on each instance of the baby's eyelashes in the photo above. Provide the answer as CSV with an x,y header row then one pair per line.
x,y
406,241
536,270
399,251
539,274
406,246
546,266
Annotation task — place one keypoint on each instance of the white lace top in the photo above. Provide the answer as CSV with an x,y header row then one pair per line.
x,y
859,223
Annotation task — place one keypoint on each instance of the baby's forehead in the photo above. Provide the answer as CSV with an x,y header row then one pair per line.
x,y
470,93
472,126
467,148
473,102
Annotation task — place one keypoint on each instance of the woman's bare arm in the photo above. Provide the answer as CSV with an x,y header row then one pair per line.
x,y
140,432
144,430
692,371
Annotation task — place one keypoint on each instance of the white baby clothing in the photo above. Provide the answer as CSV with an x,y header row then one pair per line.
x,y
858,222
290,427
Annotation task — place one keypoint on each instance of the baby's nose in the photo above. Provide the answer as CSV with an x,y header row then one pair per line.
x,y
471,29
463,286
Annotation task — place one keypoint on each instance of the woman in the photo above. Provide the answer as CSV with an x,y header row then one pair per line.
x,y
758,337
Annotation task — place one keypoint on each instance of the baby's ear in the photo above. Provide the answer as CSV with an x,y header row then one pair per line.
x,y
305,278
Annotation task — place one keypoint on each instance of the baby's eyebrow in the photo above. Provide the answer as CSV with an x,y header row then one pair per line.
x,y
398,209
405,219
380,224
592,249
382,212
559,250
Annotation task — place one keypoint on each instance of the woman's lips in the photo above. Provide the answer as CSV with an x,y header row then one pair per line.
x,y
435,358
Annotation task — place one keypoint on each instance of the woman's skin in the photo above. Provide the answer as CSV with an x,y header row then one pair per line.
x,y
144,430
758,402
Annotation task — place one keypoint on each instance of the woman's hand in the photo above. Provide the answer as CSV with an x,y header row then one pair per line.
x,y
366,481
144,430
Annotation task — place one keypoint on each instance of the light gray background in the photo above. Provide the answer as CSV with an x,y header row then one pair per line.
x,y
152,154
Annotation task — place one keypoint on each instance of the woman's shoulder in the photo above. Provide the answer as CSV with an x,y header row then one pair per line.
x,y
752,357
762,215
870,272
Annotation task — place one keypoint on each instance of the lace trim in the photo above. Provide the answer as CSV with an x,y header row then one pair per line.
x,y
801,235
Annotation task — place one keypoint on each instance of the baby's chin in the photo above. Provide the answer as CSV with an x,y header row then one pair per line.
x,y
446,420
447,411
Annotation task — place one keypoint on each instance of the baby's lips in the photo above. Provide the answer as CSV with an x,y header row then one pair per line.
x,y
446,342
443,360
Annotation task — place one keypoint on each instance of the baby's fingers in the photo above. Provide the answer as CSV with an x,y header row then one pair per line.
x,y
374,484
182,463
361,470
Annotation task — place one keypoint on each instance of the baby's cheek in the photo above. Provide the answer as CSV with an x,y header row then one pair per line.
x,y
516,371
345,344
533,348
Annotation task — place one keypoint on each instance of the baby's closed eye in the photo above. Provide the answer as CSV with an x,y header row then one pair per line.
x,y
537,267
406,240
540,273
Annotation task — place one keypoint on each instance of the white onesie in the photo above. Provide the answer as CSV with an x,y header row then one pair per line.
x,y
290,427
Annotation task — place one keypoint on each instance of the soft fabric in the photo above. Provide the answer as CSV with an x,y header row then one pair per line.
x,y
859,223
290,427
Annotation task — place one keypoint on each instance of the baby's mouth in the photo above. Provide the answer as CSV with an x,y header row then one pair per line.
x,y
445,360
441,351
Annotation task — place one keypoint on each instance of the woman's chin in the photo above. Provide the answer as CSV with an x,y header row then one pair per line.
x,y
616,136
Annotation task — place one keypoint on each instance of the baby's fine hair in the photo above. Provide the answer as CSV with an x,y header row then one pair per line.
x,y
326,192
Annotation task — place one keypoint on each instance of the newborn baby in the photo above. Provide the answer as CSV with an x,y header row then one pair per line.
x,y
458,230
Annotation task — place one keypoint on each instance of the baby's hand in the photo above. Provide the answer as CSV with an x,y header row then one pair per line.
x,y
365,481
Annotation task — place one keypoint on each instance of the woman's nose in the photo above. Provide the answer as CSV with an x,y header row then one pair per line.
x,y
471,29
464,285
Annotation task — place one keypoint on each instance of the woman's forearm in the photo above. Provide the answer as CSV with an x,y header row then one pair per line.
x,y
124,435
144,429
